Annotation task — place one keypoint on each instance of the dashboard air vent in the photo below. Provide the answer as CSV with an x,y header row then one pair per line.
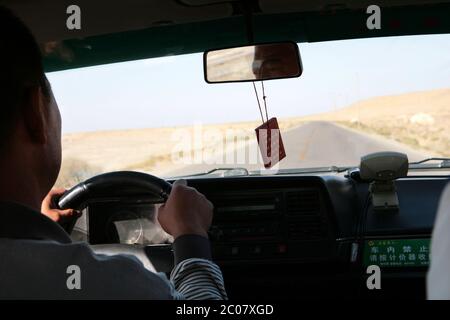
x,y
303,203
303,208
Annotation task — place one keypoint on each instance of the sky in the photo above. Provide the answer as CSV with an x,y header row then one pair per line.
x,y
171,91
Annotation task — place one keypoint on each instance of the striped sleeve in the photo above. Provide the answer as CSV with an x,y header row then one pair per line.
x,y
197,279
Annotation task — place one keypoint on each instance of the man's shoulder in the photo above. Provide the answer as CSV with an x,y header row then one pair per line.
x,y
30,264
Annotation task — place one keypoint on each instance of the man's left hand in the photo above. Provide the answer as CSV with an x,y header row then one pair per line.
x,y
49,209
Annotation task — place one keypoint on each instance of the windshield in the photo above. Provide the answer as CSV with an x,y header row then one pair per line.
x,y
353,98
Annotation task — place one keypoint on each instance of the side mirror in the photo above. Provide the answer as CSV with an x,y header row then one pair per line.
x,y
252,63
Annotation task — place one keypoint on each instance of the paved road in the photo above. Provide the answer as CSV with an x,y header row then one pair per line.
x,y
318,144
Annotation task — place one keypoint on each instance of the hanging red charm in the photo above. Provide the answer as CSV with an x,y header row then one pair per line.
x,y
270,143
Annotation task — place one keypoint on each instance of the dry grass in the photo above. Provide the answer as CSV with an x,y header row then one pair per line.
x,y
74,171
420,120
149,150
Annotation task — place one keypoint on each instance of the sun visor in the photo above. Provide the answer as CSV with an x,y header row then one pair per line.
x,y
47,18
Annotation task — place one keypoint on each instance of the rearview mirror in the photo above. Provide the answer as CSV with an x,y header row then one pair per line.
x,y
252,63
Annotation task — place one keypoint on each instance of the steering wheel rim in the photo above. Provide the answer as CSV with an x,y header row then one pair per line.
x,y
122,183
117,183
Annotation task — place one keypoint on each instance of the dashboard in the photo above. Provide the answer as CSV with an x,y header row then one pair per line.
x,y
273,235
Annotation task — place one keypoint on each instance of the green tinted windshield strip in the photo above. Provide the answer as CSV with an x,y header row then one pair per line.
x,y
201,36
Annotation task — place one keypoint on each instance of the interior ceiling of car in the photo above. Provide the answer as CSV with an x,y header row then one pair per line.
x,y
45,17
114,31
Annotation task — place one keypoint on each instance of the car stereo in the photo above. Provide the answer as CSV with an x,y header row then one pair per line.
x,y
272,225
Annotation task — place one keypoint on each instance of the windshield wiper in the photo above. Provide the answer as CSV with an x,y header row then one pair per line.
x,y
428,163
226,172
313,170
241,171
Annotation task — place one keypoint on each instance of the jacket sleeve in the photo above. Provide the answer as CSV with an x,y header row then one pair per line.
x,y
195,276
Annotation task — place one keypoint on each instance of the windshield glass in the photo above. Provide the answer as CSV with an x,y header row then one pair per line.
x,y
353,98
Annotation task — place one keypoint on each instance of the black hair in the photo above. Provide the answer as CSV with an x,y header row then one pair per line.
x,y
21,68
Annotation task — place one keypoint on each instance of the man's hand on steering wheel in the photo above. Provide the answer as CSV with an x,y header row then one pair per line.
x,y
50,209
186,212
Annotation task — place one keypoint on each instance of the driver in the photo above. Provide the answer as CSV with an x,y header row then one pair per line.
x,y
273,61
38,258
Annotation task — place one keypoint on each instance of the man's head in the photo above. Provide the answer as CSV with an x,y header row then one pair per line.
x,y
277,60
30,123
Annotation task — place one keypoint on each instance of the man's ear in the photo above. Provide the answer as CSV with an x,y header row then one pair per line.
x,y
35,115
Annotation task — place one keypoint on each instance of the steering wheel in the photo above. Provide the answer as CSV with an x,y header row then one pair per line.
x,y
111,184
120,184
